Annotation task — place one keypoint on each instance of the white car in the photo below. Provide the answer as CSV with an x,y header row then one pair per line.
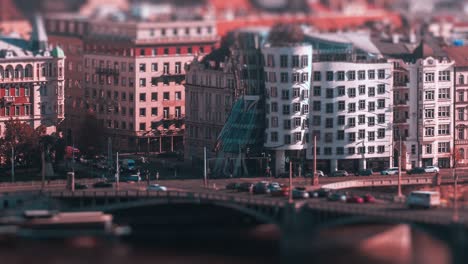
x,y
390,171
431,169
156,187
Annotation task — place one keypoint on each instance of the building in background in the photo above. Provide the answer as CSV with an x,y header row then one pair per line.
x,y
31,80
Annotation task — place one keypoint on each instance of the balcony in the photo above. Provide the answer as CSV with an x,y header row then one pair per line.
x,y
107,71
400,102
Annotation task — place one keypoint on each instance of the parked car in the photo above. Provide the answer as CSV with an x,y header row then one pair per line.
x,y
273,186
232,186
156,187
261,188
80,186
339,173
300,193
423,199
336,197
368,198
245,187
367,172
390,171
102,184
431,169
281,192
355,199
320,193
416,170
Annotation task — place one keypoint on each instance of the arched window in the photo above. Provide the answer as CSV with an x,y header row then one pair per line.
x,y
19,71
28,71
461,79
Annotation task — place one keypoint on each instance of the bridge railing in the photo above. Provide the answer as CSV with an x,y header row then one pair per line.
x,y
378,182
47,183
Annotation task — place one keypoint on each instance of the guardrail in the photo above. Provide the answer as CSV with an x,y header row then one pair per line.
x,y
47,183
378,182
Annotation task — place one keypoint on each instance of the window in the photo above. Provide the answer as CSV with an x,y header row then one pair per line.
x,y
429,95
371,91
461,96
371,121
296,92
317,76
329,123
329,108
341,120
297,122
316,120
130,67
304,61
178,68
317,91
429,113
287,124
130,97
283,61
166,112
381,74
362,104
286,110
444,75
330,76
274,122
381,118
274,136
287,139
142,82
142,126
361,75
352,92
340,76
327,151
270,60
444,93
339,151
142,67
362,89
351,151
444,129
361,119
380,149
352,75
273,92
444,111
352,107
361,134
166,68
295,77
381,103
361,150
371,135
341,105
142,97
429,77
352,137
305,77
381,133
154,96
371,74
329,137
296,107
284,77
154,67
154,81
444,147
461,114
428,148
274,107
461,79
295,61
316,106
27,110
341,90
297,136
340,135
166,96
461,133
142,111
351,122
371,149
178,95
285,94
381,88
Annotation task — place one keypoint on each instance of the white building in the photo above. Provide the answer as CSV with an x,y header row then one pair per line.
x,y
351,114
287,77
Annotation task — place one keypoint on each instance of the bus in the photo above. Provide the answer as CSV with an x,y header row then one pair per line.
x,y
423,199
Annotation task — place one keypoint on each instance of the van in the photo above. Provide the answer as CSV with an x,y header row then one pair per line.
x,y
423,199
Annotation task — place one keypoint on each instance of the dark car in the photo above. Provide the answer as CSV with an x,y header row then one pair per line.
x,y
368,172
339,173
245,187
79,186
320,193
232,186
261,188
102,184
417,170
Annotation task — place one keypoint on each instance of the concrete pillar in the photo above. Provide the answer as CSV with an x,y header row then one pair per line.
x,y
279,162
362,164
333,165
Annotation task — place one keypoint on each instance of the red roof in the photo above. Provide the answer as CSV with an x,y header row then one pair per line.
x,y
9,12
221,5
459,55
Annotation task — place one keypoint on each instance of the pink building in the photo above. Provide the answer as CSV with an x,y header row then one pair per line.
x,y
31,80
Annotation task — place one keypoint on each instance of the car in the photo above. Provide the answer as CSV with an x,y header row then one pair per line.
x,y
131,178
156,187
232,186
273,186
423,199
102,184
431,169
416,170
339,173
355,199
320,193
390,171
245,187
300,193
80,186
318,172
261,188
367,172
281,192
368,198
334,197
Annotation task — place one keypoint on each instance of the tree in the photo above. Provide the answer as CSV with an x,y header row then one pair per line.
x,y
284,34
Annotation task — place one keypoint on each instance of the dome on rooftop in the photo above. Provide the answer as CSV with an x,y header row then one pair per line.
x,y
57,52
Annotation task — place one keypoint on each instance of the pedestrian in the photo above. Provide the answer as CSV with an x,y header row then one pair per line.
x,y
157,176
